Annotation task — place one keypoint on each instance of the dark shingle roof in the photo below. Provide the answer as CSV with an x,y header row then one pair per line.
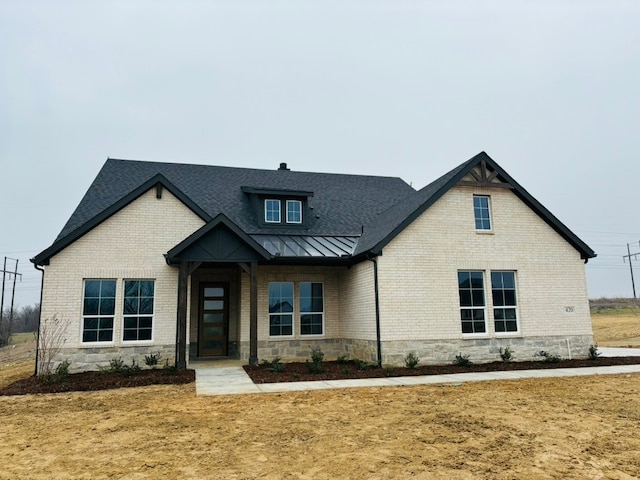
x,y
375,209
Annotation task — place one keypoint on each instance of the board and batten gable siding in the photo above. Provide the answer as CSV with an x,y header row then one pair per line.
x,y
418,270
128,245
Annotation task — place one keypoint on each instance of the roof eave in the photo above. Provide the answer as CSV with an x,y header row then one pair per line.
x,y
43,257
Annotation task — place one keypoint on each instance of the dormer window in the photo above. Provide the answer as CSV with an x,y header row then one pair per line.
x,y
272,211
294,211
280,208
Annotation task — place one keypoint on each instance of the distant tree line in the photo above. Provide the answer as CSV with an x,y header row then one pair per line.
x,y
25,319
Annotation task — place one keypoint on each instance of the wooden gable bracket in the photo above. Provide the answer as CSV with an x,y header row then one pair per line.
x,y
484,178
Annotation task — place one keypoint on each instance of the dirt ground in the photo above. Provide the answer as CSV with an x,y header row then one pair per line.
x,y
582,427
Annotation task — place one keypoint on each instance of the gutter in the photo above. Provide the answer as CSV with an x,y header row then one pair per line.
x,y
40,269
374,259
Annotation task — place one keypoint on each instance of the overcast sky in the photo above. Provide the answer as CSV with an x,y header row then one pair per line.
x,y
549,89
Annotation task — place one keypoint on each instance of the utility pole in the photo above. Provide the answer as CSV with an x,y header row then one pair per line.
x,y
624,258
15,274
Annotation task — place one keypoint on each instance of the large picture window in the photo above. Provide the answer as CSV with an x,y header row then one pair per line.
x,y
472,302
481,212
281,309
98,310
503,292
137,310
311,309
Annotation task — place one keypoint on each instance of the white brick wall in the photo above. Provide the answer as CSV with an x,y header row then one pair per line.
x,y
128,245
418,270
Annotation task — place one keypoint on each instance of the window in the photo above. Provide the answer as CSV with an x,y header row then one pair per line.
x,y
294,211
472,304
98,310
503,291
272,211
311,309
481,212
137,310
281,309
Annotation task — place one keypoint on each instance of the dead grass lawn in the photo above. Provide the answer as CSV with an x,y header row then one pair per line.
x,y
584,427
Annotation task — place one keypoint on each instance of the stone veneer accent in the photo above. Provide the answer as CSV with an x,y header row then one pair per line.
x,y
484,350
86,359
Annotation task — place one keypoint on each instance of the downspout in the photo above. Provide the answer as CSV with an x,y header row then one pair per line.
x,y
374,259
35,373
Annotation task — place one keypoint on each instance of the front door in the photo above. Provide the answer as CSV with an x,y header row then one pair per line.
x,y
213,325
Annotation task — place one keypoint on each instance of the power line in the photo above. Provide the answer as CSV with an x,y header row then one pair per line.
x,y
15,274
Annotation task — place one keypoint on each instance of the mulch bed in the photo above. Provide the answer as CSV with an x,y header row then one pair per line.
x,y
299,372
89,381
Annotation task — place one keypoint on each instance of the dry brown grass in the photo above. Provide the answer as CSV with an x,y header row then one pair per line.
x,y
582,427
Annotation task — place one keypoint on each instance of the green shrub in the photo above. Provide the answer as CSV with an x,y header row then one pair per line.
x,y
276,365
343,359
463,360
411,360
506,355
59,375
152,360
548,357
362,364
316,365
593,352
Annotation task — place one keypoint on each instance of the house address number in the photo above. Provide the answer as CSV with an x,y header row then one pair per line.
x,y
569,309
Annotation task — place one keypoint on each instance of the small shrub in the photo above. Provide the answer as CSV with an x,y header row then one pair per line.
x,y
463,360
152,360
59,375
116,365
343,359
131,369
169,369
362,364
506,355
265,363
316,365
276,365
388,371
548,357
346,371
593,352
411,360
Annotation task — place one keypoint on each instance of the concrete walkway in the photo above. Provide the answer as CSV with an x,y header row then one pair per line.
x,y
230,378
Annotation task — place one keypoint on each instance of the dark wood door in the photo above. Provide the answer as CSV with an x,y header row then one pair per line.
x,y
213,334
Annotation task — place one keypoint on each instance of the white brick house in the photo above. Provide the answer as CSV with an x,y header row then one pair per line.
x,y
196,262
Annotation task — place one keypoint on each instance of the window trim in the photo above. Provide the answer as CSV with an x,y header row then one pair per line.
x,y
290,202
481,219
483,308
138,315
279,203
300,312
98,342
504,307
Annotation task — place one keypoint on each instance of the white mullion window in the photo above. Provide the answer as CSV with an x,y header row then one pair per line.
x,y
272,211
281,309
137,310
311,308
294,211
482,212
505,304
472,302
98,310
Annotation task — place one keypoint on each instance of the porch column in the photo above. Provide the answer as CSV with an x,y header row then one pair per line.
x,y
186,269
181,328
253,315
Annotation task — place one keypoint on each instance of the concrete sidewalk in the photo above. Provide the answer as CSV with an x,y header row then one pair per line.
x,y
228,379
